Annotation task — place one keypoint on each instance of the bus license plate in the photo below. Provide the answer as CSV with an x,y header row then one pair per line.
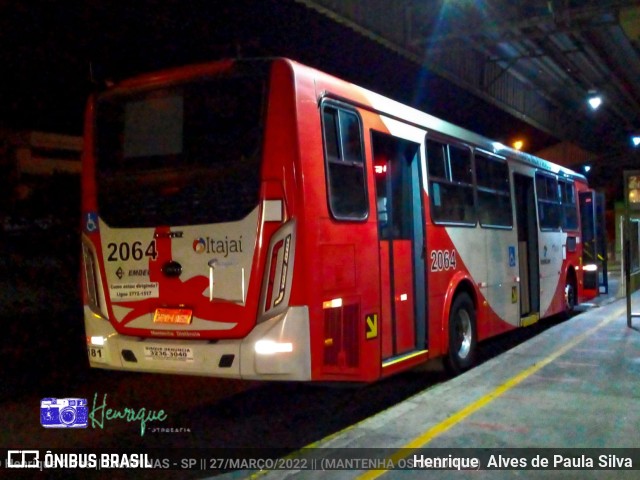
x,y
172,315
183,354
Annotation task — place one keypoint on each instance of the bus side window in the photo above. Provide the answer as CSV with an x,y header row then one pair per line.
x,y
450,183
494,192
549,214
569,206
346,179
460,159
332,150
438,159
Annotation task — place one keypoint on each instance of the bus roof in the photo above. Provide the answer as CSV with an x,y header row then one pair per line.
x,y
380,104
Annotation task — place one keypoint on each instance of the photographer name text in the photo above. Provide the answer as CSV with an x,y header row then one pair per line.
x,y
99,414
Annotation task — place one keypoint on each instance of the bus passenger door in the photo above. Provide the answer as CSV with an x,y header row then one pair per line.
x,y
601,242
589,243
528,255
401,242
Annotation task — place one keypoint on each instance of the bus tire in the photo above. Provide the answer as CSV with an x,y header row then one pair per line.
x,y
462,335
569,294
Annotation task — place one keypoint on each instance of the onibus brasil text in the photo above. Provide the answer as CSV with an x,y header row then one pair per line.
x,y
99,461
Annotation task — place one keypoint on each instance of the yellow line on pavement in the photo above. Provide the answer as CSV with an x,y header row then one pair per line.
x,y
433,432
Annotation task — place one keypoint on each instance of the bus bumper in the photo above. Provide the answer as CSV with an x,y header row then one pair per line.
x,y
276,349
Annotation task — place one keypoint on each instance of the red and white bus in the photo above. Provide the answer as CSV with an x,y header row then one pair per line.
x,y
264,220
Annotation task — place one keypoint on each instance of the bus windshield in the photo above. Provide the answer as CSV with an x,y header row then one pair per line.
x,y
181,154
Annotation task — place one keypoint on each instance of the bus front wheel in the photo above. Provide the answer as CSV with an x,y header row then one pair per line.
x,y
462,335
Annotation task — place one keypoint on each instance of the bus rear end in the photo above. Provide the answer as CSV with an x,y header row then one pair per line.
x,y
179,221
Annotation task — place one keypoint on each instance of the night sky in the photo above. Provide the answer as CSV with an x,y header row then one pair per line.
x,y
54,53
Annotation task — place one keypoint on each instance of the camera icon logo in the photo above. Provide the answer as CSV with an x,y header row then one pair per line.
x,y
63,412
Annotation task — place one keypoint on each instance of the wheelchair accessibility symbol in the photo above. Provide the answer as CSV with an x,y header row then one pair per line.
x,y
512,256
91,224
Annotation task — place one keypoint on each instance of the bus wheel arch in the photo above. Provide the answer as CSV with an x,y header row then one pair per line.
x,y
462,330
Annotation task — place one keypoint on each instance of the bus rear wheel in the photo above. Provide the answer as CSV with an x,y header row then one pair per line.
x,y
462,335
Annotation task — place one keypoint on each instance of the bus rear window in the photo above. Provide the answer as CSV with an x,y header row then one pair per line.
x,y
153,127
180,154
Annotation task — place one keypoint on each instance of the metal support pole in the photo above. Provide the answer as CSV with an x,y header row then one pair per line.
x,y
627,275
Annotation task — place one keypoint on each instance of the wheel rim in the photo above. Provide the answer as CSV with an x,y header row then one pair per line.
x,y
569,298
463,333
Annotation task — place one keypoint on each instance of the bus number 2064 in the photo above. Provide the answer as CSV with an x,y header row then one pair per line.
x,y
442,260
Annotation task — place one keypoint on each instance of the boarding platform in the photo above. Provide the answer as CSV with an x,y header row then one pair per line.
x,y
575,385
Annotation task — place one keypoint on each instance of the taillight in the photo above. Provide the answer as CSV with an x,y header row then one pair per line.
x,y
278,273
91,285
279,264
272,273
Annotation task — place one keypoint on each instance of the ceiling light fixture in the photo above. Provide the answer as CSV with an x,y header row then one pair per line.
x,y
594,99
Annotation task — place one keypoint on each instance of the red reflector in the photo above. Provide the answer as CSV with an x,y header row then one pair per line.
x,y
172,315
